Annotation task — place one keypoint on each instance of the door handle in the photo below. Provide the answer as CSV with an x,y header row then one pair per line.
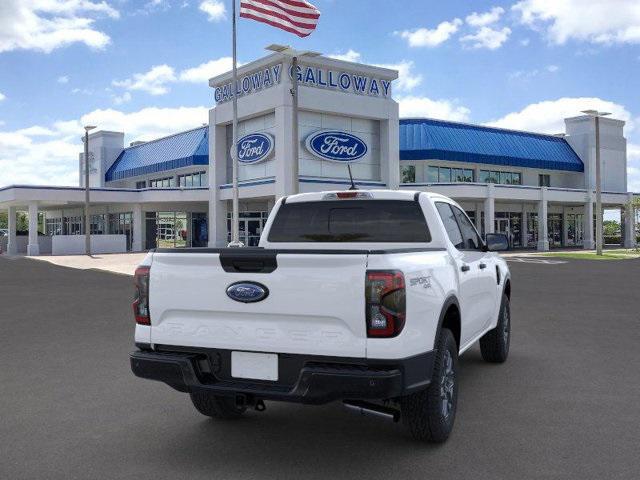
x,y
465,268
483,266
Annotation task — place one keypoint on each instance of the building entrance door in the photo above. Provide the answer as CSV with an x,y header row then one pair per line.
x,y
250,230
250,226
554,229
575,229
510,223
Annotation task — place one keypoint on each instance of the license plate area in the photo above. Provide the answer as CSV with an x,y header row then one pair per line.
x,y
254,366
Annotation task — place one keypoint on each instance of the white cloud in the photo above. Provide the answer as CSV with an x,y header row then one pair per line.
x,y
633,168
2,96
525,42
48,155
414,106
154,81
548,116
595,21
63,79
349,56
487,37
529,74
120,99
407,78
83,91
214,9
423,37
158,79
203,72
483,19
45,25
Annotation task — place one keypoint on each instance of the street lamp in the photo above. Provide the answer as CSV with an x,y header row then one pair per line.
x,y
596,115
87,218
294,55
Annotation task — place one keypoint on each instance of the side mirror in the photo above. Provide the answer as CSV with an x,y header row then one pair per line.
x,y
496,242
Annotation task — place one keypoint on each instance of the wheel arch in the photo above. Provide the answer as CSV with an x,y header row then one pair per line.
x,y
450,318
507,287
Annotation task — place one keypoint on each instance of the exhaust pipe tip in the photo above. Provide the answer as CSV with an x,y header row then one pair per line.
x,y
372,409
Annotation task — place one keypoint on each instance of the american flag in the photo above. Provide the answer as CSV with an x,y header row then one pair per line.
x,y
295,16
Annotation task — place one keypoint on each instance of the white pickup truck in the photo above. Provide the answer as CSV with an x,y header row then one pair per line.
x,y
367,297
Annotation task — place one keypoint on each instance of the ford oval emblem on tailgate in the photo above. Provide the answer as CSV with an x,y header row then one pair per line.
x,y
247,292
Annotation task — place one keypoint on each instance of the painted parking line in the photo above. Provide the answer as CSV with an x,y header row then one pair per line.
x,y
535,260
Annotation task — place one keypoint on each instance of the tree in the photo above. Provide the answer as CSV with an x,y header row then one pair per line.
x,y
634,206
611,228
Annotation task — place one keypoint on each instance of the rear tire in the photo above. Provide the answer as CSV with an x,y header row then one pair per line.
x,y
430,413
216,406
494,345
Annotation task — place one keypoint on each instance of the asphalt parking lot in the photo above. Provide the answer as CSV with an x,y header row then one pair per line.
x,y
565,405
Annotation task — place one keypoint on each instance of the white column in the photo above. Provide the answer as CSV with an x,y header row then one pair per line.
x,y
629,224
543,235
33,248
588,243
524,230
565,227
138,228
284,156
218,149
12,247
489,211
390,149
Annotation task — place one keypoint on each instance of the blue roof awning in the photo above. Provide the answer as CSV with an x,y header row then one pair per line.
x,y
427,139
176,151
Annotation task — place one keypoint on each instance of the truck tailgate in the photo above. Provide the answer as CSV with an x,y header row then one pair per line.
x,y
315,304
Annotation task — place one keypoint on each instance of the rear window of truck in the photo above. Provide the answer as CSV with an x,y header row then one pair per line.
x,y
373,221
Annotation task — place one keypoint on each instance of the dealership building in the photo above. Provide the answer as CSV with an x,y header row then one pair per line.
x,y
176,191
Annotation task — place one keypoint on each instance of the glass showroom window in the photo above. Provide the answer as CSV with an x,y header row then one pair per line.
x,y
162,182
98,224
505,178
53,226
544,180
198,179
446,174
142,184
408,174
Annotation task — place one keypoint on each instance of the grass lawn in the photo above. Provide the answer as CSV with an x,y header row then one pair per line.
x,y
606,255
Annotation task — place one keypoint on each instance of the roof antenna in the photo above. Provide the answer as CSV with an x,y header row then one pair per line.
x,y
353,185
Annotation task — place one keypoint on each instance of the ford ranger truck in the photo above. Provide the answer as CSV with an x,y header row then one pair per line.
x,y
364,297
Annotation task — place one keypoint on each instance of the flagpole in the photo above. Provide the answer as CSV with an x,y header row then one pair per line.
x,y
294,124
235,233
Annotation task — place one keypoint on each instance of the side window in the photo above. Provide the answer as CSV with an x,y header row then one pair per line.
x,y
450,224
469,234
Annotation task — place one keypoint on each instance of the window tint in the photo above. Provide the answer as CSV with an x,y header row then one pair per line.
x,y
450,224
350,221
469,234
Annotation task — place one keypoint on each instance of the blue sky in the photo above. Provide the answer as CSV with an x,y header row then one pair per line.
x,y
142,66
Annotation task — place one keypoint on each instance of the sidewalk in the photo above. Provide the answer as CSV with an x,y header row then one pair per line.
x,y
123,263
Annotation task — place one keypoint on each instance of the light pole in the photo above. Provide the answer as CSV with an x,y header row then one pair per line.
x,y
87,218
596,115
294,55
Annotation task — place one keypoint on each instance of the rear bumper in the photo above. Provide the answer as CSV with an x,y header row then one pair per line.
x,y
305,379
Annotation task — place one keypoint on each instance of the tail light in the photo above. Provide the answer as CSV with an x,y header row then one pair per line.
x,y
141,299
386,303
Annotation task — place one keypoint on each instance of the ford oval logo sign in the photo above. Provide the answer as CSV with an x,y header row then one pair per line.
x,y
247,292
336,146
255,148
